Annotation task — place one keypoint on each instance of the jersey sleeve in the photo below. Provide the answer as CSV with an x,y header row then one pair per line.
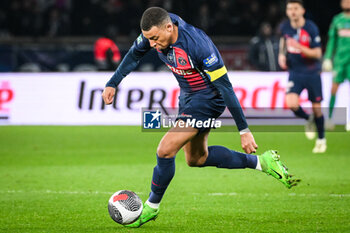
x,y
332,34
139,48
208,57
315,40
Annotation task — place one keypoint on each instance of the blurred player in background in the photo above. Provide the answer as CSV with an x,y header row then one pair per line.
x,y
263,51
338,46
300,53
205,92
107,54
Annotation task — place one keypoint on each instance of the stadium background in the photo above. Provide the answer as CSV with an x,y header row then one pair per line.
x,y
56,178
38,35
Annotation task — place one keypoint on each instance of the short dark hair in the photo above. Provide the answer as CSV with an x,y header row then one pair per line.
x,y
296,1
153,16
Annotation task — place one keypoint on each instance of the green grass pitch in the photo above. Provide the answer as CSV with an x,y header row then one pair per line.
x,y
59,179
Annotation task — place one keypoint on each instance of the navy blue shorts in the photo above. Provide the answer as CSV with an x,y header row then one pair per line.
x,y
298,82
200,109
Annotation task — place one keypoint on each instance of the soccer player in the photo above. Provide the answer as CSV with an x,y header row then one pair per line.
x,y
205,92
339,46
300,53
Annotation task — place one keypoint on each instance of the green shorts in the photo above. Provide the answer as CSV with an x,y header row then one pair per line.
x,y
341,73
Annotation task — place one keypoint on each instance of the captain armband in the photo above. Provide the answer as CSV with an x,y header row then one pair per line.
x,y
214,75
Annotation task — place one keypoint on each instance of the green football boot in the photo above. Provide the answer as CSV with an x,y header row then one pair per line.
x,y
271,165
147,214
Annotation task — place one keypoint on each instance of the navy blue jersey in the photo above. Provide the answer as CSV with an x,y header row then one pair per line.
x,y
308,35
198,68
193,58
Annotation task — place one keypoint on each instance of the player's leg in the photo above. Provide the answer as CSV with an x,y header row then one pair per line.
x,y
168,147
196,150
164,171
198,154
292,101
334,90
339,76
314,89
319,119
295,86
321,144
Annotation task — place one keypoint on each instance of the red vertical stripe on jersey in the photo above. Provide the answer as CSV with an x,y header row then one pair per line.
x,y
182,60
304,39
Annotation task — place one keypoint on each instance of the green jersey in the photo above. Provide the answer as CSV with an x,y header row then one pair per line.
x,y
339,40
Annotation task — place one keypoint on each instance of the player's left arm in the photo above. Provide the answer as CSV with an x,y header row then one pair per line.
x,y
208,57
331,47
282,48
332,37
221,81
315,53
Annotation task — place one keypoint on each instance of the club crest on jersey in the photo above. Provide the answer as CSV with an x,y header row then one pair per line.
x,y
182,61
304,38
170,57
209,61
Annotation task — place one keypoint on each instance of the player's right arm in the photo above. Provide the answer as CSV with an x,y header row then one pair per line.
x,y
282,58
332,34
140,47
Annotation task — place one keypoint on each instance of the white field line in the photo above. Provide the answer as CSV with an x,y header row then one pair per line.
x,y
57,192
289,194
209,194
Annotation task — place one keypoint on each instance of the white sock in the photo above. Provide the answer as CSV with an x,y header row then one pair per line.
x,y
258,165
152,205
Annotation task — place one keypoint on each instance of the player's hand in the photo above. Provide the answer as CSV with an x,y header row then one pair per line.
x,y
248,143
293,43
108,95
282,61
327,65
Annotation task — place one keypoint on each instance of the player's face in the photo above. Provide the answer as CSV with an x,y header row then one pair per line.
x,y
295,11
159,37
345,5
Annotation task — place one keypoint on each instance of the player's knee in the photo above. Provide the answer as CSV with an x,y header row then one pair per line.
x,y
334,88
196,161
293,106
193,163
165,152
292,102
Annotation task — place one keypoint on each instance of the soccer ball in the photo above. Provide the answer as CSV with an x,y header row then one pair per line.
x,y
124,207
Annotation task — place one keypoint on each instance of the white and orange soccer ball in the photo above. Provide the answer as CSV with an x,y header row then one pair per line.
x,y
125,207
